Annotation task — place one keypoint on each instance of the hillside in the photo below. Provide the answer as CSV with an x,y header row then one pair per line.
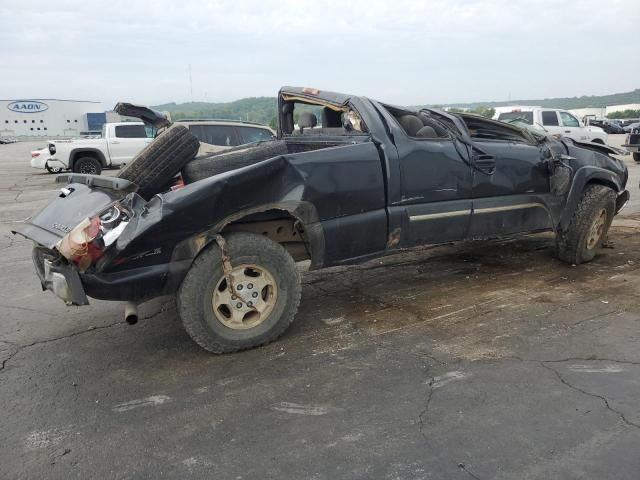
x,y
252,109
263,109
566,102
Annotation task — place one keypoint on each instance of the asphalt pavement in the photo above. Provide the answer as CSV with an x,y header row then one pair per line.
x,y
486,360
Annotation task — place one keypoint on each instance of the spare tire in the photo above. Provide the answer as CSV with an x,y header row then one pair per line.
x,y
205,167
154,167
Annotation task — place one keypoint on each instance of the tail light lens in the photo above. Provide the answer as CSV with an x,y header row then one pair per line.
x,y
88,241
178,183
35,154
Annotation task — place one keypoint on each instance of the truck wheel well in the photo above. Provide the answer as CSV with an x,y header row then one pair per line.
x,y
86,153
279,226
604,183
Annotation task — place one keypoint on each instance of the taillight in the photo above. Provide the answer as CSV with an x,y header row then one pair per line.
x,y
178,183
35,154
88,241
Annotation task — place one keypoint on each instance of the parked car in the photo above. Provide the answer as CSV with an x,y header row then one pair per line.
x,y
119,143
632,126
608,126
633,142
228,133
371,180
555,122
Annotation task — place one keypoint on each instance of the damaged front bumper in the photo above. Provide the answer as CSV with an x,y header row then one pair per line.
x,y
60,278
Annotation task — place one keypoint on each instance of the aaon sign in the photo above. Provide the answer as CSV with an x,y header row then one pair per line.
x,y
27,106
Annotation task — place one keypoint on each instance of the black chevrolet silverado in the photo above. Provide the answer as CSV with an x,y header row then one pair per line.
x,y
347,179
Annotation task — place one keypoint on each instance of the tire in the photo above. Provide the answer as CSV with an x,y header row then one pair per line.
x,y
232,159
636,157
154,167
205,278
87,165
588,226
53,170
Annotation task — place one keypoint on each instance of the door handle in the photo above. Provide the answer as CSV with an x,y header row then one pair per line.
x,y
567,131
485,163
115,143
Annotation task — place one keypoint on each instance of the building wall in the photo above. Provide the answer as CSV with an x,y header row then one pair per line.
x,y
597,112
621,108
45,117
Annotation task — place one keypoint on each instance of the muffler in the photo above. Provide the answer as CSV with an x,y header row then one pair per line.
x,y
131,313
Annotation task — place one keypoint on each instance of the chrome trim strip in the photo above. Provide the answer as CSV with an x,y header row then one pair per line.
x,y
459,213
506,208
433,216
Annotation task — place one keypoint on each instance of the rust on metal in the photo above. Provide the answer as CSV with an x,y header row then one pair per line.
x,y
394,238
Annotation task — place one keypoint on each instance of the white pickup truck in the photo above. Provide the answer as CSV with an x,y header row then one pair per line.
x,y
552,121
119,143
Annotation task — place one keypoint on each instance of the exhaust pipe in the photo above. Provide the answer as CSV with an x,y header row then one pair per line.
x,y
131,313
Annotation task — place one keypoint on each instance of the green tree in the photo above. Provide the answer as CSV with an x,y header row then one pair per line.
x,y
624,114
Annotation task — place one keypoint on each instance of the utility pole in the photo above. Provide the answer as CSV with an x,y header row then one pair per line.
x,y
190,83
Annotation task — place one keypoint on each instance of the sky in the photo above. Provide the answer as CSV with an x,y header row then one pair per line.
x,y
399,51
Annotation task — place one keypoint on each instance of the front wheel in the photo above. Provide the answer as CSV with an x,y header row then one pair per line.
x,y
588,226
252,305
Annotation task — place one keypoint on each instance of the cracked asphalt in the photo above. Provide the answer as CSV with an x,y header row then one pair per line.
x,y
488,360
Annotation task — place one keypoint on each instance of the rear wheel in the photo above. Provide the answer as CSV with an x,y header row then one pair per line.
x,y
588,226
636,156
87,165
53,169
251,305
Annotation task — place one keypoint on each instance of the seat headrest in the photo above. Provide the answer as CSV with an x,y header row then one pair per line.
x,y
307,120
411,124
426,132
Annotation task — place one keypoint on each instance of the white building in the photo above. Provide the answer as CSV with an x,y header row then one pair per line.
x,y
594,112
622,108
49,118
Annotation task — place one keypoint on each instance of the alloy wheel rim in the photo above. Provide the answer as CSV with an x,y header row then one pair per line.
x,y
597,229
251,300
87,168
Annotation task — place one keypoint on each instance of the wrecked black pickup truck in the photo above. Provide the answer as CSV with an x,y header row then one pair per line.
x,y
347,179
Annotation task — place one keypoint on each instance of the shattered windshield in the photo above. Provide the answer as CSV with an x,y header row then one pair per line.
x,y
512,117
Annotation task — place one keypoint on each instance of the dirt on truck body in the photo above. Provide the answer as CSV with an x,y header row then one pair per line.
x,y
347,179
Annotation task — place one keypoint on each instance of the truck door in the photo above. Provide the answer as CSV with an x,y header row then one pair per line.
x,y
511,187
549,120
571,127
125,141
435,190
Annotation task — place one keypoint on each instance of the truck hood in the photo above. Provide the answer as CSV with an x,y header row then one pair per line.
x,y
83,196
146,114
